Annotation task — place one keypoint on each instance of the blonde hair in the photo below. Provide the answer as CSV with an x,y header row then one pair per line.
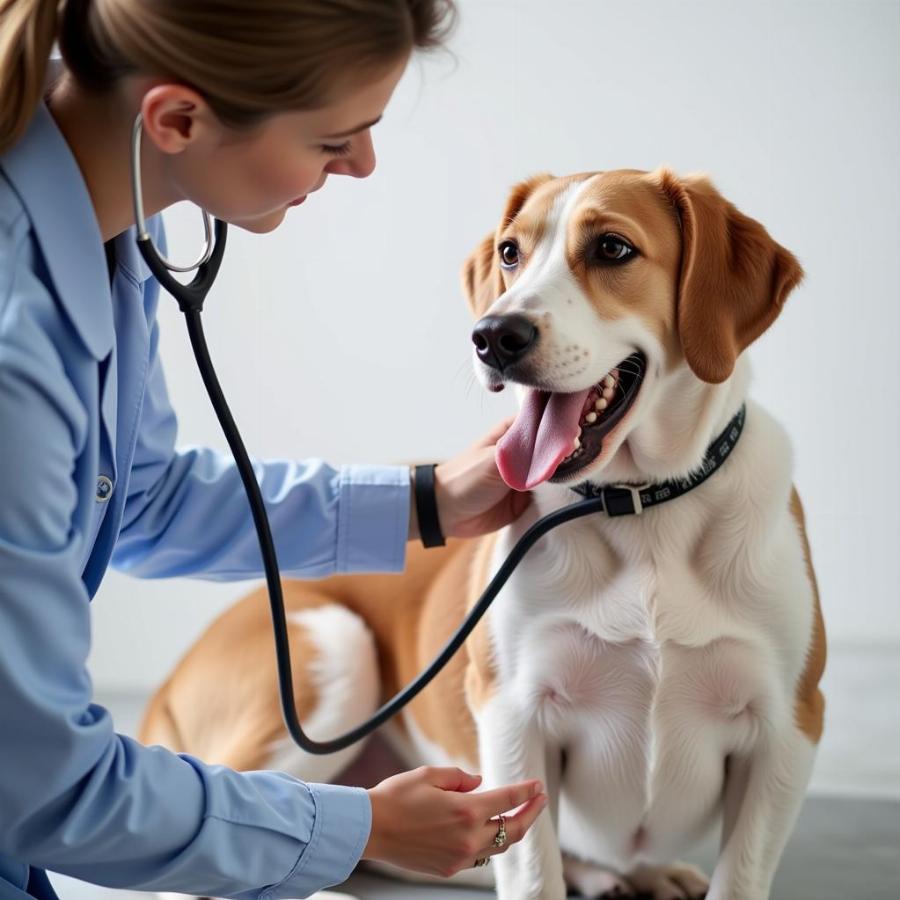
x,y
248,60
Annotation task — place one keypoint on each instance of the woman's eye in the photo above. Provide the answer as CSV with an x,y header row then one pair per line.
x,y
610,248
509,254
336,150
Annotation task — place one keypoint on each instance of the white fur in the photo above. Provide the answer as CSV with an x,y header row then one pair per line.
x,y
344,673
648,649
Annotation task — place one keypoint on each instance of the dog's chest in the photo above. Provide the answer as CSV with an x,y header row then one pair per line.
x,y
587,634
618,597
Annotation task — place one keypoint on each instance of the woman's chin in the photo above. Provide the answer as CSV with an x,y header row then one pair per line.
x,y
261,224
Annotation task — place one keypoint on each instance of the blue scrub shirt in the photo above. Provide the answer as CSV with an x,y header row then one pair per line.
x,y
90,476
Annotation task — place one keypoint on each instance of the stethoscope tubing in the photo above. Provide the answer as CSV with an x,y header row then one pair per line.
x,y
273,579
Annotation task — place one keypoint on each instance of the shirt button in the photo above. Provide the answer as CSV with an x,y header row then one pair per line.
x,y
104,488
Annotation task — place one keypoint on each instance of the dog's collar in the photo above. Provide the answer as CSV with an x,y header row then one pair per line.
x,y
633,499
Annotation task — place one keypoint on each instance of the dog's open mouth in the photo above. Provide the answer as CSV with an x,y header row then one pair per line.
x,y
555,435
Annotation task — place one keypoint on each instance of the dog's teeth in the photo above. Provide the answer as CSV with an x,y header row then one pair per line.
x,y
601,404
576,443
607,393
591,417
609,381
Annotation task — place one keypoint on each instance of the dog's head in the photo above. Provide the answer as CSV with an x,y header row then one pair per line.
x,y
611,298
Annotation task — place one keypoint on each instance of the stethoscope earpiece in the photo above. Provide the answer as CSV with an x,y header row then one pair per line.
x,y
137,193
189,296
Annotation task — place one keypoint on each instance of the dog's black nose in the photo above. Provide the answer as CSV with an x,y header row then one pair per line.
x,y
501,341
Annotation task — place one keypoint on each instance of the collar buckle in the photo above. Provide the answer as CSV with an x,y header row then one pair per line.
x,y
623,499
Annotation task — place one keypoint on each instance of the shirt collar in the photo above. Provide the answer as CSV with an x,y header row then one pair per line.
x,y
128,255
46,176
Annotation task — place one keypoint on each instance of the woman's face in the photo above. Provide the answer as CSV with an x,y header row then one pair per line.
x,y
251,180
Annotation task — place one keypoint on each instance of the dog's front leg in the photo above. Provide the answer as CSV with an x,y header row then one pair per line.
x,y
763,795
512,749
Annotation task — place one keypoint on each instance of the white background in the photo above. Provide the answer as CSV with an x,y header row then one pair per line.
x,y
344,333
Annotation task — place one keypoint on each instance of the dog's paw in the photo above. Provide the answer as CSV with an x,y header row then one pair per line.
x,y
595,881
679,881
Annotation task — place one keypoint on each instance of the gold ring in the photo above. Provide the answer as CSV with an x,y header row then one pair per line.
x,y
500,837
482,862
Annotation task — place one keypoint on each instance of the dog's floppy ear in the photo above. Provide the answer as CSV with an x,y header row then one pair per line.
x,y
734,277
481,279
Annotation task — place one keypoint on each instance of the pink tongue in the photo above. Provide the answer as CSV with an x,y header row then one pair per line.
x,y
540,438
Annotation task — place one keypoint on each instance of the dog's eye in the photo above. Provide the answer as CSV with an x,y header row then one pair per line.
x,y
610,248
509,254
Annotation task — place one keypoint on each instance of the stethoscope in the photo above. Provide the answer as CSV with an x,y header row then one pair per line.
x,y
190,299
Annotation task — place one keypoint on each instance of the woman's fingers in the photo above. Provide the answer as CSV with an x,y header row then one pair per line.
x,y
496,432
515,826
450,778
502,799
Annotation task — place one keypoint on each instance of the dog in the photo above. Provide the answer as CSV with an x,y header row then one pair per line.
x,y
658,671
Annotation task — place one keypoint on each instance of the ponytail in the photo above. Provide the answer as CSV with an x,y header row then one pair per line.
x,y
27,32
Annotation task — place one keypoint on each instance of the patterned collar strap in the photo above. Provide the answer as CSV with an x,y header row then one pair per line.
x,y
633,499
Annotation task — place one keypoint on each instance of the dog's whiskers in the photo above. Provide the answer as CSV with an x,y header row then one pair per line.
x,y
470,376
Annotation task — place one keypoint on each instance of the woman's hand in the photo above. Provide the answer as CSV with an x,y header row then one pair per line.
x,y
426,820
472,498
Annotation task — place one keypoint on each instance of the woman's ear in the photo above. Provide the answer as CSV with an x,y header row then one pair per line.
x,y
734,277
174,116
482,280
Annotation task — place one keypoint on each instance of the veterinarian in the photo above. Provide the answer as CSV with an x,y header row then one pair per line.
x,y
246,108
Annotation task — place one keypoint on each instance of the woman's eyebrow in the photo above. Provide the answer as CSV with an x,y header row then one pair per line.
x,y
343,134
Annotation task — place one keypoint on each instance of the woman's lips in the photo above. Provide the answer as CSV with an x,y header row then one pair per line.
x,y
299,200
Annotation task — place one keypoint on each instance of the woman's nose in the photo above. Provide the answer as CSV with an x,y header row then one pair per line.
x,y
360,163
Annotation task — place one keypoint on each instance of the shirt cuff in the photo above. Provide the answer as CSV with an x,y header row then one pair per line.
x,y
373,518
343,820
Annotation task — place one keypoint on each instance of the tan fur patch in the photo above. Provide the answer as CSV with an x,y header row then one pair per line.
x,y
734,278
630,205
809,706
525,216
221,703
